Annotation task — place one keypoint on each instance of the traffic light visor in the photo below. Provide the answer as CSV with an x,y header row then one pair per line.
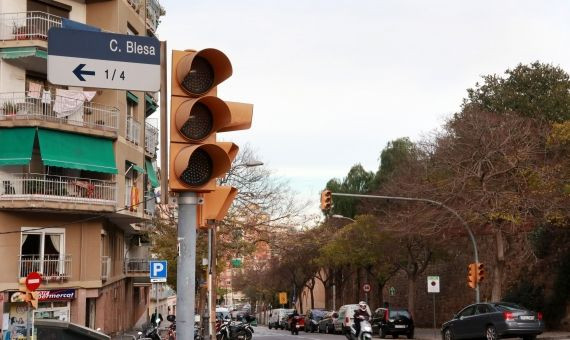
x,y
199,72
196,165
196,119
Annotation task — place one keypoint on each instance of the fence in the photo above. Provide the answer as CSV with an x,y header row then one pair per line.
x,y
50,266
27,25
35,105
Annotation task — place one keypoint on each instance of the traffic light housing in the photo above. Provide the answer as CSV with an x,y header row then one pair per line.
x,y
216,205
196,115
480,272
326,199
472,275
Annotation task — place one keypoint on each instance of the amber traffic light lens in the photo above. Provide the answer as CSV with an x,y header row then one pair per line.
x,y
200,79
199,123
199,170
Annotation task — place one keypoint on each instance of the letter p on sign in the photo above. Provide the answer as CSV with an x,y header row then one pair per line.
x,y
158,271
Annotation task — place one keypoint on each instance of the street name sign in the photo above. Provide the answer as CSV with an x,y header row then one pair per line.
x,y
433,284
103,60
158,271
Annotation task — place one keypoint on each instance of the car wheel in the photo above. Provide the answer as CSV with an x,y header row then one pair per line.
x,y
447,335
491,333
382,333
410,335
269,326
529,337
326,329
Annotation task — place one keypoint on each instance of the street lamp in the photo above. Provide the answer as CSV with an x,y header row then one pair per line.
x,y
340,216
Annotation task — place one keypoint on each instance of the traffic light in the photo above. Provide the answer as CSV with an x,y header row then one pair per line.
x,y
480,272
472,275
326,200
196,115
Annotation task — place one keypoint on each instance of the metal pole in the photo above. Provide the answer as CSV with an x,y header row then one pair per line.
x,y
163,126
186,267
334,296
29,324
473,241
211,281
155,303
434,333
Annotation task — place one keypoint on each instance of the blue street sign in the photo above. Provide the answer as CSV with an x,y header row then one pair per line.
x,y
158,271
103,60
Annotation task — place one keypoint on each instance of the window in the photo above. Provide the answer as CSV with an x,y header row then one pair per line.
x,y
467,311
131,30
42,251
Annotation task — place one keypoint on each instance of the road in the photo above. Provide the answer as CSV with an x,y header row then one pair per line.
x,y
263,333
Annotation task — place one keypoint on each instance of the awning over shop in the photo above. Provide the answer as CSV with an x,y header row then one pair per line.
x,y
70,150
16,145
22,52
151,174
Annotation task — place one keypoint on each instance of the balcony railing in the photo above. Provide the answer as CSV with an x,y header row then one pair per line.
x,y
133,130
150,139
105,267
56,188
52,267
136,266
153,13
34,105
27,25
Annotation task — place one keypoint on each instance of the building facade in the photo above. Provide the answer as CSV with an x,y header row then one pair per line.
x,y
77,173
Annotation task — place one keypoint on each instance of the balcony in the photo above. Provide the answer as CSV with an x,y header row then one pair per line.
x,y
133,130
27,25
105,268
19,108
137,267
52,267
43,187
150,139
153,13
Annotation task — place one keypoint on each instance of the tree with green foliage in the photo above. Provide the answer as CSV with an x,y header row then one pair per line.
x,y
539,91
395,152
357,181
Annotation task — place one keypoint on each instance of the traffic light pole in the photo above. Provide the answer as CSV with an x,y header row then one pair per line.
x,y
439,204
186,265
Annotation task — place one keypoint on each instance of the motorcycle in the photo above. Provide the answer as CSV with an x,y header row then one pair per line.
x,y
297,323
365,330
235,330
172,327
150,332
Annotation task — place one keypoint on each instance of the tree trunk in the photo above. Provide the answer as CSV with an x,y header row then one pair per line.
x,y
412,294
380,290
499,266
357,286
312,297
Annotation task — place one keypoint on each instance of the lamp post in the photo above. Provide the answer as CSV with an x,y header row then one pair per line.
x,y
212,258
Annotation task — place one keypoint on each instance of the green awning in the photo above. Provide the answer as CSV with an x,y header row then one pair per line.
x,y
22,52
74,151
151,174
137,168
16,145
151,105
132,97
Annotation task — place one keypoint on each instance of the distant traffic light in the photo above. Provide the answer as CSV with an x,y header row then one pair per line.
x,y
472,275
326,200
480,272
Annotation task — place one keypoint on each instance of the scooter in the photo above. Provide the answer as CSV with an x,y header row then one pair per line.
x,y
150,332
296,325
235,330
172,327
365,330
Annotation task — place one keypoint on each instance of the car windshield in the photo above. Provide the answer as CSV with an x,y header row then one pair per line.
x,y
507,306
318,314
399,313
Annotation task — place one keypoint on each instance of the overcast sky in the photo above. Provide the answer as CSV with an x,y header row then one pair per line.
x,y
333,81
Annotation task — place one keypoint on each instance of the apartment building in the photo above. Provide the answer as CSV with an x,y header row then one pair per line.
x,y
77,172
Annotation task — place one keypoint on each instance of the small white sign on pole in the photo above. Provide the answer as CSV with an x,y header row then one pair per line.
x,y
433,284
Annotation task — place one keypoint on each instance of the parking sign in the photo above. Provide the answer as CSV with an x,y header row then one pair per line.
x,y
158,271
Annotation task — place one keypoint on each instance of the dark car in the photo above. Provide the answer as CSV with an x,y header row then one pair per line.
x,y
492,321
393,321
326,324
312,319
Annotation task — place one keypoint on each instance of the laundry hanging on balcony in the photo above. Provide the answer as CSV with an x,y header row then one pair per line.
x,y
70,103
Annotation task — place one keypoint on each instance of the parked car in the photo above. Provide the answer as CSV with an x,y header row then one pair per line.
x,y
392,321
326,324
312,319
346,317
278,318
492,321
299,322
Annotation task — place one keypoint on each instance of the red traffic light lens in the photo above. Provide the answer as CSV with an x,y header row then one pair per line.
x,y
200,79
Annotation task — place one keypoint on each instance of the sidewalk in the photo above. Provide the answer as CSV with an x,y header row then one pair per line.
x,y
428,334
